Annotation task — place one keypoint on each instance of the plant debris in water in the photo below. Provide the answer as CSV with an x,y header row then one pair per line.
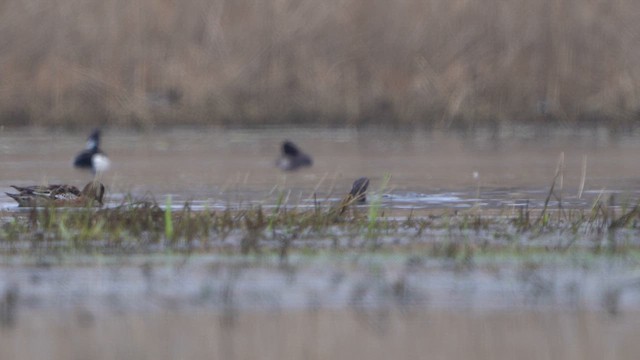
x,y
144,226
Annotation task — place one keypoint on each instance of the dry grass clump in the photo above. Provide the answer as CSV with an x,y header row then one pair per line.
x,y
334,62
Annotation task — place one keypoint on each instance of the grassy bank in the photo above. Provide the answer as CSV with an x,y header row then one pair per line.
x,y
335,62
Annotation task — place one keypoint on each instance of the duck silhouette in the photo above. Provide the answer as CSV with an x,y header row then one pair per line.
x,y
357,195
292,158
358,191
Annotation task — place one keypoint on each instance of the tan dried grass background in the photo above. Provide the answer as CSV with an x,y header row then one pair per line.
x,y
330,62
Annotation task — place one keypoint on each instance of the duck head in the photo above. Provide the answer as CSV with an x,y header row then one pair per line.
x,y
94,191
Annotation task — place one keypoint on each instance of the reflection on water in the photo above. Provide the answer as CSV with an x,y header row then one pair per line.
x,y
353,303
322,334
216,282
374,307
220,168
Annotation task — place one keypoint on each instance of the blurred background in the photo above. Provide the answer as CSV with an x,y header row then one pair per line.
x,y
427,63
463,114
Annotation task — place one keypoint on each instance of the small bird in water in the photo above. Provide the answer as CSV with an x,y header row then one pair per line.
x,y
358,194
292,157
59,195
358,191
92,157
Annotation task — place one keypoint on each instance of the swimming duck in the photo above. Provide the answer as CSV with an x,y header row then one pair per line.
x,y
92,157
59,195
292,157
358,191
358,194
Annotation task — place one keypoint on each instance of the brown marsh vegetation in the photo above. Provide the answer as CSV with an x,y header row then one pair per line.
x,y
161,320
143,226
337,62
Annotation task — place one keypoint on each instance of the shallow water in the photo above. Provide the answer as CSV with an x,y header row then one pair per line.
x,y
356,281
338,307
221,168
349,304
323,334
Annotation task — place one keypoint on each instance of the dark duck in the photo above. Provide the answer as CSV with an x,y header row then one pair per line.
x,y
357,195
292,158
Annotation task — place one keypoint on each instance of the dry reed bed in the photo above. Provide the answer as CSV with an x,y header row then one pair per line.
x,y
334,62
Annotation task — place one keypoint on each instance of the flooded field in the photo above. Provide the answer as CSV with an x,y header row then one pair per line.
x,y
455,253
325,334
427,169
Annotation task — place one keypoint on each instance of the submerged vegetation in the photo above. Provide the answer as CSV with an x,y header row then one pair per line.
x,y
145,226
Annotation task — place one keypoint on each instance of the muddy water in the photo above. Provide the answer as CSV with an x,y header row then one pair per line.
x,y
357,306
338,307
428,169
325,334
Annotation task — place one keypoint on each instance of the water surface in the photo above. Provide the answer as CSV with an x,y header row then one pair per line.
x,y
353,303
428,169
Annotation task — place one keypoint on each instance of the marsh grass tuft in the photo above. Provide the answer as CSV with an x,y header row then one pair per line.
x,y
168,222
144,226
374,209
